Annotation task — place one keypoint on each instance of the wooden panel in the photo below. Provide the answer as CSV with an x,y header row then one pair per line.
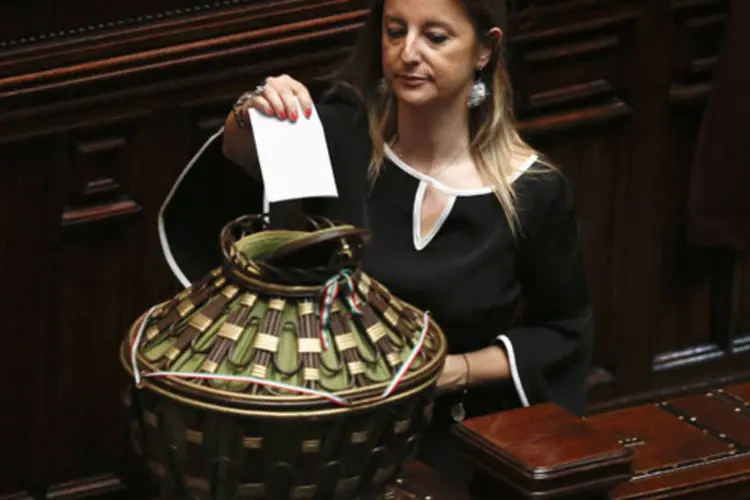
x,y
741,304
572,98
593,159
686,272
97,265
29,217
696,317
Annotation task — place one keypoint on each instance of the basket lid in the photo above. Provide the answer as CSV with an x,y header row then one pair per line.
x,y
289,321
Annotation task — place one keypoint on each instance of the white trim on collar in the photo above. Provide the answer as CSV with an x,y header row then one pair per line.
x,y
420,242
391,155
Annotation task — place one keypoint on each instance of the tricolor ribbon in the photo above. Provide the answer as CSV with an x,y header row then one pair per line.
x,y
330,292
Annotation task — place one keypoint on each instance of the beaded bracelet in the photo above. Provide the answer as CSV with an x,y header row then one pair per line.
x,y
238,107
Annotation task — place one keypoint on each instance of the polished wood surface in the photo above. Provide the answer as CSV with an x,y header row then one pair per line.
x,y
549,452
690,447
103,103
695,445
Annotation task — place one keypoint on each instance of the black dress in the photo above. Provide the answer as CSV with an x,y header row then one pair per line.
x,y
469,272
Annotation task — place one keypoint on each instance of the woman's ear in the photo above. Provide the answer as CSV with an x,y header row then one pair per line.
x,y
489,43
496,34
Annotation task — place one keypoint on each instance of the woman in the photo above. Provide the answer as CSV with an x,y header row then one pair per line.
x,y
467,221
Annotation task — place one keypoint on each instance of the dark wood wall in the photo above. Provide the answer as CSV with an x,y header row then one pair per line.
x,y
98,119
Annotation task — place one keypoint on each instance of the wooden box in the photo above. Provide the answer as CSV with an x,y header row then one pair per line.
x,y
542,452
693,447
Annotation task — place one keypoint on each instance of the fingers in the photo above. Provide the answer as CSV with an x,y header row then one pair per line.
x,y
304,98
273,92
260,103
282,93
280,96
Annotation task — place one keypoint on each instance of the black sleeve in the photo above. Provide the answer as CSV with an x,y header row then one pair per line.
x,y
549,348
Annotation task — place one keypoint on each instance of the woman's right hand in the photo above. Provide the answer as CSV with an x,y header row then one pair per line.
x,y
279,97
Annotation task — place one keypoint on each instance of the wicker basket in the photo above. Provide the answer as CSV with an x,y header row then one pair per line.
x,y
287,373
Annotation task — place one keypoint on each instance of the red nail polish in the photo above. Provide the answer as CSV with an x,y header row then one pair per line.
x,y
282,115
308,113
294,116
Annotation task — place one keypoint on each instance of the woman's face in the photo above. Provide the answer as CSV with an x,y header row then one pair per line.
x,y
430,51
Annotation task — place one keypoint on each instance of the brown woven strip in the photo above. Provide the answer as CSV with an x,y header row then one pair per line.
x,y
238,320
391,315
270,325
222,344
309,345
409,325
192,289
377,333
341,329
185,302
205,318
174,317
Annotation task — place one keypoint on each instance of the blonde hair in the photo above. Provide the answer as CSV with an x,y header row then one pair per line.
x,y
495,140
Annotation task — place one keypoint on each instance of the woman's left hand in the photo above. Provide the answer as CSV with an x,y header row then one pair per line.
x,y
453,376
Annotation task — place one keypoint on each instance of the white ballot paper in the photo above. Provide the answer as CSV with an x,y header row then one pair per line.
x,y
293,157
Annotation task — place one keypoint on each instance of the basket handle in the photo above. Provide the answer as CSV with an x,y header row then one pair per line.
x,y
290,215
347,236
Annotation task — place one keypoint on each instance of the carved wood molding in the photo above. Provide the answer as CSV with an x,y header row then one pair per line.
x,y
108,211
201,46
724,338
217,9
218,43
698,31
689,356
95,193
153,34
574,119
663,393
547,100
